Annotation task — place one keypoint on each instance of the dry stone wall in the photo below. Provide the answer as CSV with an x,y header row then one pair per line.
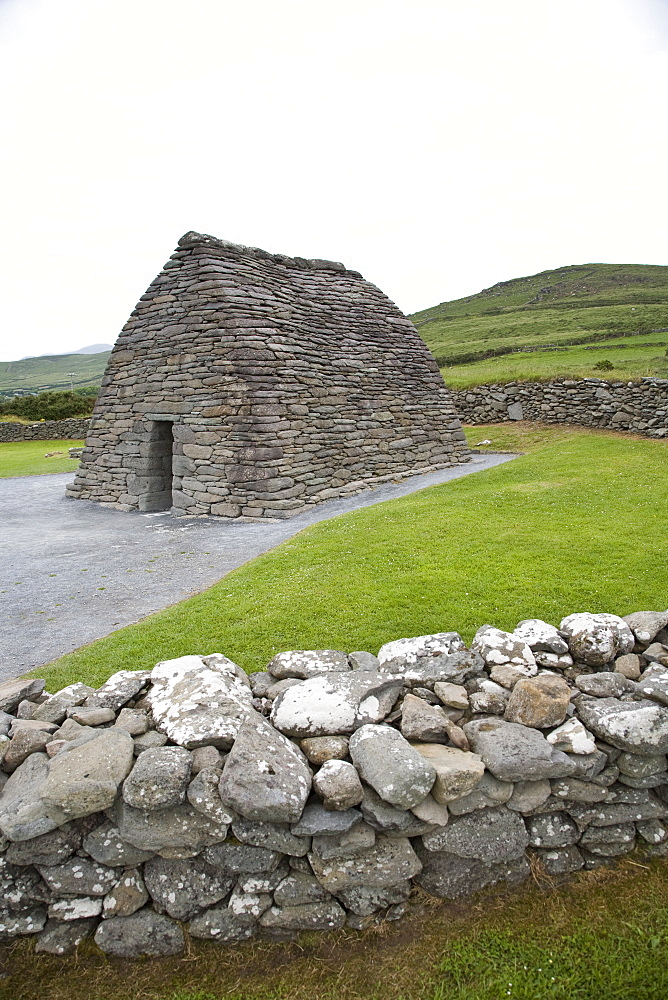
x,y
72,429
251,384
620,406
192,799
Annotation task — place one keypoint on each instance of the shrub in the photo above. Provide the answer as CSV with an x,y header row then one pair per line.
x,y
49,406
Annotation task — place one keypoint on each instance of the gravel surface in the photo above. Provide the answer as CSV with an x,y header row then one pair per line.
x,y
72,571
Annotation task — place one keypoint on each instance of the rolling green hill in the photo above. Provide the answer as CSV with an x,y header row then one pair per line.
x,y
561,322
52,372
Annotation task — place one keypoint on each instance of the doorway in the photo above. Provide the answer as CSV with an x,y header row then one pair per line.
x,y
157,473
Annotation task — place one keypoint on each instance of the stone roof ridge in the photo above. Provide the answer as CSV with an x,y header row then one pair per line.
x,y
193,239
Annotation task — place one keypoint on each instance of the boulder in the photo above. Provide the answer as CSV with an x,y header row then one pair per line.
x,y
653,684
572,737
23,813
389,861
307,663
105,845
596,639
401,655
490,835
79,877
159,779
84,777
365,900
118,689
335,703
235,859
355,841
156,830
422,721
500,648
338,785
183,888
529,795
320,749
265,776
605,684
144,933
450,876
62,938
452,695
198,701
221,924
641,727
50,849
127,896
540,636
322,916
275,836
457,771
515,753
645,625
489,792
398,772
554,829
299,888
539,702
15,691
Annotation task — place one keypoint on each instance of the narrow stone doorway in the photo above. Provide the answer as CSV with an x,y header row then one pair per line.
x,y
157,477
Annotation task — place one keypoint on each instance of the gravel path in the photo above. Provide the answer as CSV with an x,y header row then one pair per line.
x,y
72,571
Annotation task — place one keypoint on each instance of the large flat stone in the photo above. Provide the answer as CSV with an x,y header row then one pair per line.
x,y
307,663
183,888
450,876
516,753
491,835
335,703
14,691
200,701
640,727
596,639
145,933
265,777
161,829
389,861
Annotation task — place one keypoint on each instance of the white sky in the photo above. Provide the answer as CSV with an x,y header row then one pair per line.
x,y
438,146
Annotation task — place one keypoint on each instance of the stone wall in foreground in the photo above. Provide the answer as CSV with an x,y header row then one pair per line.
x,y
194,800
72,429
620,406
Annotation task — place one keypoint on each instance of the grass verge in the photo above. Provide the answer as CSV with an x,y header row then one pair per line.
x,y
578,524
574,942
26,458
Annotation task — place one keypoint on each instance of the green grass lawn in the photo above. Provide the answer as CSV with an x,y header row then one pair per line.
x,y
603,936
26,458
577,524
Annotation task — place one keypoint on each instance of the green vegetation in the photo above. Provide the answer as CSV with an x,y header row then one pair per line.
x,y
54,371
561,322
49,406
574,942
549,533
26,458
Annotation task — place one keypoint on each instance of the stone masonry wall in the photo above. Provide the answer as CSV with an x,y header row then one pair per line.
x,y
620,406
194,799
72,429
251,384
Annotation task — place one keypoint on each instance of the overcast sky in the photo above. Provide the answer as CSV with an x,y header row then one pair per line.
x,y
438,146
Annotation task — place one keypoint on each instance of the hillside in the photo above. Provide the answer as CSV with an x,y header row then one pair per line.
x,y
561,322
52,371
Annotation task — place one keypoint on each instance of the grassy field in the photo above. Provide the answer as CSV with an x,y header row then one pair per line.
x,y
52,372
550,533
590,313
26,458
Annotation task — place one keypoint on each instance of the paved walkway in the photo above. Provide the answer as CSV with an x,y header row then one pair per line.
x,y
72,571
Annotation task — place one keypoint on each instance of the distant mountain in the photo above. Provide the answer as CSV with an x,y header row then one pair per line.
x,y
575,321
93,349
53,371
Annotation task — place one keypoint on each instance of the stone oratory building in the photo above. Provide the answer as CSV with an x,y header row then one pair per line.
x,y
252,384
